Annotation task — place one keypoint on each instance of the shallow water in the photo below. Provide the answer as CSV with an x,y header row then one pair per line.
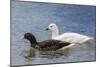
x,y
35,17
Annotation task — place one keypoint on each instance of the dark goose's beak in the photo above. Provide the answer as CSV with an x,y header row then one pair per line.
x,y
47,29
22,39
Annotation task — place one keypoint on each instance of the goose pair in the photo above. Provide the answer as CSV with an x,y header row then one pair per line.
x,y
68,36
58,41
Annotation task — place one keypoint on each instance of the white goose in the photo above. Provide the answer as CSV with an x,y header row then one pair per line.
x,y
68,36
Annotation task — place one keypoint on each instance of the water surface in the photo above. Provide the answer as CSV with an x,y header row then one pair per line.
x,y
35,17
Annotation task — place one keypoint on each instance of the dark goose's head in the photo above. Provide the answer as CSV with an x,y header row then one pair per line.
x,y
30,37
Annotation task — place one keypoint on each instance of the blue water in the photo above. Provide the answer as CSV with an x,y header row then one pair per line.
x,y
35,17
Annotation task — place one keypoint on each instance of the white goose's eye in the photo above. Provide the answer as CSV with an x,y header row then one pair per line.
x,y
51,26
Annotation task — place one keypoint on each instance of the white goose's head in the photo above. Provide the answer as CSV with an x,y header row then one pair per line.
x,y
52,27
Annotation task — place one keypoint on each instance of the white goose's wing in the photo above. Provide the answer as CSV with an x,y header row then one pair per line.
x,y
73,38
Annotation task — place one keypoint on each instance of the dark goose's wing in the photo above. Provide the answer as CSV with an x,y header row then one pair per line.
x,y
52,45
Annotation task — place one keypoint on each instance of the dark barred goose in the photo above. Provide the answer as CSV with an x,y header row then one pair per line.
x,y
47,45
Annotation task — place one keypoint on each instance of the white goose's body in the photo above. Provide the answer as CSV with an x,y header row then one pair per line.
x,y
72,38
69,36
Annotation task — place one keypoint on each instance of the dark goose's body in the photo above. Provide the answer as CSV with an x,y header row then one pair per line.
x,y
50,45
47,45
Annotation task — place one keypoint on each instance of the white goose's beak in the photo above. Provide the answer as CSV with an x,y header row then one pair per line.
x,y
47,29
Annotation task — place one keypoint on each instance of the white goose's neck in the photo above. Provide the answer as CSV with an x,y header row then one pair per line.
x,y
55,33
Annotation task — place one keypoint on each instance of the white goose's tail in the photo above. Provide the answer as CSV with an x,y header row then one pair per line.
x,y
88,39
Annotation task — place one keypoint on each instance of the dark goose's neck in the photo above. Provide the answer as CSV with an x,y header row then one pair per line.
x,y
33,41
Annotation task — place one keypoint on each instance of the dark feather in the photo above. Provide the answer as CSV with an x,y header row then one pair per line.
x,y
51,45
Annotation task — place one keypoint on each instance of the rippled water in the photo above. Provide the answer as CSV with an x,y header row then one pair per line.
x,y
35,17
